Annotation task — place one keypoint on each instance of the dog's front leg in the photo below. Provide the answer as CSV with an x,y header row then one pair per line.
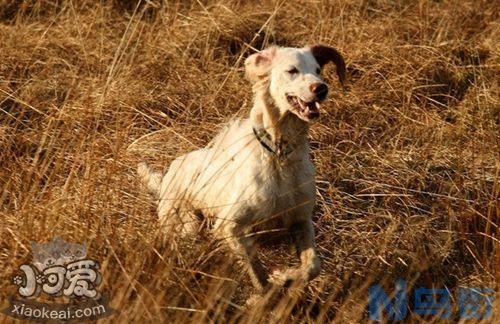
x,y
245,248
303,233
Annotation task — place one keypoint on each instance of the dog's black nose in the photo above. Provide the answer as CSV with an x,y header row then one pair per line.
x,y
319,89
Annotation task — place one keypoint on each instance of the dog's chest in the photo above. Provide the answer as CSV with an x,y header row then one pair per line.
x,y
281,188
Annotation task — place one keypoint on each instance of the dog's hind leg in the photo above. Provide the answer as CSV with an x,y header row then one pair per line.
x,y
176,205
177,220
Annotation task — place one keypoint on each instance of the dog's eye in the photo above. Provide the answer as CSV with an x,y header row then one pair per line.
x,y
318,71
293,71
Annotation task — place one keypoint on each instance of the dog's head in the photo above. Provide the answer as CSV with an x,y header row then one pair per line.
x,y
294,77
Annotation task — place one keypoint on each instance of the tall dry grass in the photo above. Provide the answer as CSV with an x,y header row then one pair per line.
x,y
407,157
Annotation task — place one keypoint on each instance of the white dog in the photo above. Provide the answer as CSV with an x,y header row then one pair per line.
x,y
257,169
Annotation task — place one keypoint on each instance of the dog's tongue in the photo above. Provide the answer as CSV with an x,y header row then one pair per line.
x,y
312,109
313,106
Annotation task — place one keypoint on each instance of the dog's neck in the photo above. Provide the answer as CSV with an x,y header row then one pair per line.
x,y
285,129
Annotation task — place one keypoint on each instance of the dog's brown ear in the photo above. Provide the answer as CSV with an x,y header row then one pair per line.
x,y
259,64
324,54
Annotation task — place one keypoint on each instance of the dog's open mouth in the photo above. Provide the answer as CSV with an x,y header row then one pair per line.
x,y
308,110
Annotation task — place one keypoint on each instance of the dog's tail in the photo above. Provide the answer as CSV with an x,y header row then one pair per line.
x,y
150,178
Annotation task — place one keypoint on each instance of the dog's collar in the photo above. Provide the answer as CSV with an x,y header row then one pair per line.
x,y
280,149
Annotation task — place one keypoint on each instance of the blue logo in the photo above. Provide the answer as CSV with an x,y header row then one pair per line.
x,y
473,303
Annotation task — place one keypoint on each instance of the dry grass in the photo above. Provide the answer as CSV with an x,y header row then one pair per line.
x,y
407,156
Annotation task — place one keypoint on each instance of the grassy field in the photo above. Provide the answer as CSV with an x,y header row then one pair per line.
x,y
407,156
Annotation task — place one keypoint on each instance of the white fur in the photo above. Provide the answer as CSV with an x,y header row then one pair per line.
x,y
236,183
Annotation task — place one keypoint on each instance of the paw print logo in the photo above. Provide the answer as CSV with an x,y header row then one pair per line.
x,y
40,279
17,280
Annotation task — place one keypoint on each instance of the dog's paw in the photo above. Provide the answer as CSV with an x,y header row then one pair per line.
x,y
253,300
286,278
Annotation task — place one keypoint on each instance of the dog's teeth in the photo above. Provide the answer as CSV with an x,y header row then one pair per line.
x,y
302,106
318,105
